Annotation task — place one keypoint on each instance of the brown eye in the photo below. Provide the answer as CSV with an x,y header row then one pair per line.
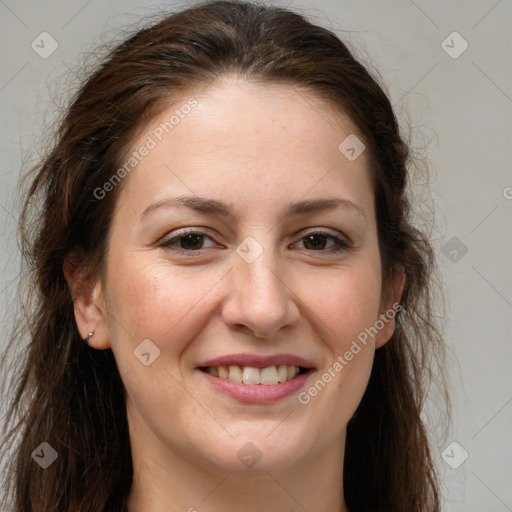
x,y
187,242
317,242
191,241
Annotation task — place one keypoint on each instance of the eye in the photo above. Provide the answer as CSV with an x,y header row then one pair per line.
x,y
186,242
317,240
193,241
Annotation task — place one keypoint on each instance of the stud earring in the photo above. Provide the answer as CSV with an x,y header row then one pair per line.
x,y
88,337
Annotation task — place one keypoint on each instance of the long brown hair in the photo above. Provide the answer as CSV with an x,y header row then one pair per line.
x,y
71,396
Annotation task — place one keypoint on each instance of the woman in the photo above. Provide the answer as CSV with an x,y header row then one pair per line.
x,y
233,308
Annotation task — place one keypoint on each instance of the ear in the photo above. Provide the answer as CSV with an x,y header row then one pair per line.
x,y
89,304
389,306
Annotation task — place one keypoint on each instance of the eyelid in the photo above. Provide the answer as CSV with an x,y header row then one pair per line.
x,y
340,240
323,231
184,232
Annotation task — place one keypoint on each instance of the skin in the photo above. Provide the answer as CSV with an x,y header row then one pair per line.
x,y
257,148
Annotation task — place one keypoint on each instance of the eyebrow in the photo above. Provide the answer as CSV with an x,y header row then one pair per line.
x,y
212,206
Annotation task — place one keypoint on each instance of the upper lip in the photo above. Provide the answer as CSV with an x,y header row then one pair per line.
x,y
257,361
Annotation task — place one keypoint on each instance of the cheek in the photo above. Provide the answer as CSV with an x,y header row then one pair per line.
x,y
345,305
161,304
154,300
344,301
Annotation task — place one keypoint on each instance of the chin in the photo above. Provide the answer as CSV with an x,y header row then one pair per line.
x,y
262,451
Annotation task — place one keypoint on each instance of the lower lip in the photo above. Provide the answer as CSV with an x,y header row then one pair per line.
x,y
258,393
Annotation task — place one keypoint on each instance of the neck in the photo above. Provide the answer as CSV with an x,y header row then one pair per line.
x,y
164,480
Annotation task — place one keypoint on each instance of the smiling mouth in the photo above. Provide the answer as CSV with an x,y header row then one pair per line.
x,y
268,376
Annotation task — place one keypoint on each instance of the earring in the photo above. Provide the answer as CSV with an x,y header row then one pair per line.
x,y
88,337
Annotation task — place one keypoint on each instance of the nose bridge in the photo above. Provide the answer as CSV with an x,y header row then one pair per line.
x,y
260,276
259,298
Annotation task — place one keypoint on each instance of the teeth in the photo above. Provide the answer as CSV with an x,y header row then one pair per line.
x,y
268,376
292,371
282,373
235,373
251,375
223,372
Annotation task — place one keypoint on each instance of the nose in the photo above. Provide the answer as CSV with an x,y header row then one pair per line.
x,y
260,301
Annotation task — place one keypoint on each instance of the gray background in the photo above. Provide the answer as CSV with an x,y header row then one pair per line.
x,y
460,110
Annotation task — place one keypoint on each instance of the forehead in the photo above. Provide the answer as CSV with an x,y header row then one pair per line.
x,y
245,139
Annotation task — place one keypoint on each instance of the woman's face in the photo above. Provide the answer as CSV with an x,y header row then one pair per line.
x,y
271,279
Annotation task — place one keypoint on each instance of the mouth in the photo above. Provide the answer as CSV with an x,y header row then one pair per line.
x,y
252,375
255,379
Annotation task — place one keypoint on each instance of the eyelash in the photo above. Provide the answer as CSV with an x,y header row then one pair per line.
x,y
342,245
